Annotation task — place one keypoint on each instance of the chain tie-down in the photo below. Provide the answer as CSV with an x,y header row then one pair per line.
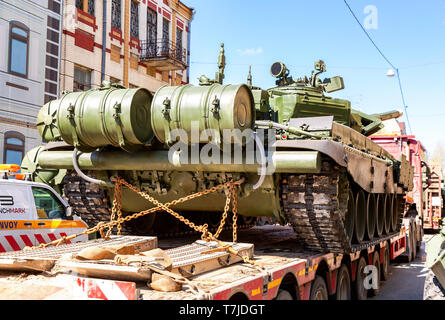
x,y
203,229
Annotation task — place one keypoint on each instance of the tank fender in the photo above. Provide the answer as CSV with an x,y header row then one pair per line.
x,y
379,178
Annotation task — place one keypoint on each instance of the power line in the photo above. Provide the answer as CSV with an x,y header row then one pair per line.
x,y
289,65
387,60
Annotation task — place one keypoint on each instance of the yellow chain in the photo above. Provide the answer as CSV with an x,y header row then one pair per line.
x,y
206,235
235,211
102,225
226,210
117,201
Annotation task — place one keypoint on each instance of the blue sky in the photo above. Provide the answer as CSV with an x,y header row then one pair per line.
x,y
260,32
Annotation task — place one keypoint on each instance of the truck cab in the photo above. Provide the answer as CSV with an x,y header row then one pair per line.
x,y
33,213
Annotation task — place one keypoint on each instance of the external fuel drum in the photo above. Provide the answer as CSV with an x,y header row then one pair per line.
x,y
100,117
215,107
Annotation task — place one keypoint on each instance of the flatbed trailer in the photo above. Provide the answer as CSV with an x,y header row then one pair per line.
x,y
289,272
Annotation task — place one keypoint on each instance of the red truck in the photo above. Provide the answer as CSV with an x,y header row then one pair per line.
x,y
433,202
394,139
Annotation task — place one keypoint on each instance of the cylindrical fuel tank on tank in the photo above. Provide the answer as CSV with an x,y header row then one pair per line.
x,y
196,109
101,117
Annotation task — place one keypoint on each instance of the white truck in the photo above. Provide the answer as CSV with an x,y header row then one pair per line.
x,y
33,213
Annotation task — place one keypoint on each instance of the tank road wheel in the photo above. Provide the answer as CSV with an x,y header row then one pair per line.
x,y
380,221
371,216
385,267
343,284
388,214
319,290
143,226
248,222
360,292
360,216
376,263
350,216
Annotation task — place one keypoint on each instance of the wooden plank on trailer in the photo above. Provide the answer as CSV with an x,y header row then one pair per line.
x,y
107,270
43,259
201,256
187,261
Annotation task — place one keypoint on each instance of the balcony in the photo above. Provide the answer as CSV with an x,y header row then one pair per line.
x,y
163,55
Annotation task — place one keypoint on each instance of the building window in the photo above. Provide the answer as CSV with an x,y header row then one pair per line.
x,y
179,44
116,14
86,6
152,31
14,148
165,35
134,21
82,79
18,49
91,7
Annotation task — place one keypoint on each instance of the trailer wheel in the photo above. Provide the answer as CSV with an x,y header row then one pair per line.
x,y
284,295
343,284
376,263
410,242
319,291
360,292
385,268
414,241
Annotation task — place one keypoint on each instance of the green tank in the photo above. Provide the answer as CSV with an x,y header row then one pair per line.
x,y
435,261
305,156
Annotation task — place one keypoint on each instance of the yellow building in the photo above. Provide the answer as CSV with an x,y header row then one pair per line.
x,y
140,43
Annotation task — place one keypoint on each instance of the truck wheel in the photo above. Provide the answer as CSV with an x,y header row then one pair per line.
x,y
385,267
376,263
319,291
284,295
432,289
414,239
410,244
418,236
360,292
343,284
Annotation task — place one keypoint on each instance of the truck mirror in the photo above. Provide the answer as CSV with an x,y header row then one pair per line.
x,y
334,84
69,212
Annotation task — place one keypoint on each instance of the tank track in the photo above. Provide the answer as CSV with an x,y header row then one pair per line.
x,y
310,204
92,204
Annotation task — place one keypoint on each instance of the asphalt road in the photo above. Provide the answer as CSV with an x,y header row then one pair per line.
x,y
406,281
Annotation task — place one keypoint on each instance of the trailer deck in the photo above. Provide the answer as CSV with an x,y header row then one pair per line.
x,y
285,265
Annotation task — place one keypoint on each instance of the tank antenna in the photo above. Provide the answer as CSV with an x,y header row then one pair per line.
x,y
219,76
249,78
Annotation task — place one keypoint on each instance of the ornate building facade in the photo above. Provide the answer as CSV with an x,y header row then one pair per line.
x,y
138,43
30,37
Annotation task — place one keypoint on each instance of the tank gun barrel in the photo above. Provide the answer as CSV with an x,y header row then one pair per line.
x,y
389,115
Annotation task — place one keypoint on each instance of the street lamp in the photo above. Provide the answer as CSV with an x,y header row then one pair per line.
x,y
390,73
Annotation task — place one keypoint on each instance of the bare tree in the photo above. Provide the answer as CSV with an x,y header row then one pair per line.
x,y
438,156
